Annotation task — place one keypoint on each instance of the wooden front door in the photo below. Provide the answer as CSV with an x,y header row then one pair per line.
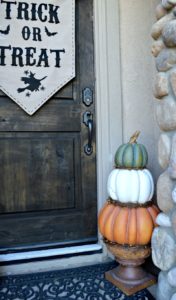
x,y
47,181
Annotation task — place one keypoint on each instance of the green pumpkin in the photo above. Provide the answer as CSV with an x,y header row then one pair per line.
x,y
131,155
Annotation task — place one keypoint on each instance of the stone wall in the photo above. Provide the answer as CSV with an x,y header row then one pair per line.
x,y
164,237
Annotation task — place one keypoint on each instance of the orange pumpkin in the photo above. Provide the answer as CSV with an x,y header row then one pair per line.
x,y
124,225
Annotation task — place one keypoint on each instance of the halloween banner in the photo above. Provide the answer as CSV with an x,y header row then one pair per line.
x,y
37,49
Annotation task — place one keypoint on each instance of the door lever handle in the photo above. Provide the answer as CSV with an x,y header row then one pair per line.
x,y
88,121
88,149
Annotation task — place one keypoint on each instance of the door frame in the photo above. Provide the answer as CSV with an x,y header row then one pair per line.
x,y
109,120
109,106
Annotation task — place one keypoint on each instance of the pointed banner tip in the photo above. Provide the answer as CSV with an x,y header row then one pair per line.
x,y
37,58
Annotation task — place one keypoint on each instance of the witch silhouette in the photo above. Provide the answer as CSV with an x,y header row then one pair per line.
x,y
33,83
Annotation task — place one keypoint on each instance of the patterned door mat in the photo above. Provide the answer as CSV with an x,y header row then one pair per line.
x,y
79,283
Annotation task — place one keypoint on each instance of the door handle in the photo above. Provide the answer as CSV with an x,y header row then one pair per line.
x,y
88,121
88,149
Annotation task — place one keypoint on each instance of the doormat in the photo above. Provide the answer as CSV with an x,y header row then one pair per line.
x,y
79,283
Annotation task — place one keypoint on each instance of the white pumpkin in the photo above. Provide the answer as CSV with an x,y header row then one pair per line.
x,y
134,186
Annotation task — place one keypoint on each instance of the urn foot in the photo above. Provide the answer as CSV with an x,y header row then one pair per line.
x,y
129,276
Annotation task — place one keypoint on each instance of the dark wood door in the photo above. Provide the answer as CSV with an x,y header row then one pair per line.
x,y
47,182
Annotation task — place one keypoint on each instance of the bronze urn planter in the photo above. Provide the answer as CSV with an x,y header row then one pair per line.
x,y
127,219
129,276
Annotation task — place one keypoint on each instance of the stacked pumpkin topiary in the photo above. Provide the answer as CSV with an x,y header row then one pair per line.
x,y
128,218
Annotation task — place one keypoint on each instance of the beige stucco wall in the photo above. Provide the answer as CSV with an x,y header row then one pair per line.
x,y
138,72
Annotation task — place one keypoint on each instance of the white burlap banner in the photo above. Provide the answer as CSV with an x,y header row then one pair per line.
x,y
37,49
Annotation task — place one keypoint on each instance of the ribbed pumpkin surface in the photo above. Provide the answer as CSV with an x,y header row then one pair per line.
x,y
131,156
131,226
135,186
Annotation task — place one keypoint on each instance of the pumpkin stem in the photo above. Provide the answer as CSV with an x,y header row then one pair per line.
x,y
134,137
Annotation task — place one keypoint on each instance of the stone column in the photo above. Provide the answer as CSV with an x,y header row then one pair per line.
x,y
164,237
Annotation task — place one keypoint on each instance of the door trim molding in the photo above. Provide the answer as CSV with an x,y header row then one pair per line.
x,y
109,108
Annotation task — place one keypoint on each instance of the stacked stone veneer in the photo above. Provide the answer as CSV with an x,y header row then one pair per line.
x,y
164,237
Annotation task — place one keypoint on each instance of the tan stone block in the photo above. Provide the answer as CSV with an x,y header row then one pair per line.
x,y
171,277
159,25
166,60
168,34
157,46
164,289
172,162
167,4
160,11
173,81
173,297
161,88
164,150
163,220
174,194
173,220
173,2
165,186
163,248
166,114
